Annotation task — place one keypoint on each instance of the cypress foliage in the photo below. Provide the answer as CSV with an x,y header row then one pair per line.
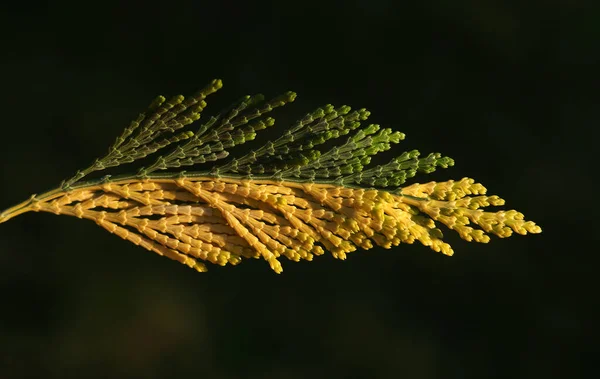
x,y
291,197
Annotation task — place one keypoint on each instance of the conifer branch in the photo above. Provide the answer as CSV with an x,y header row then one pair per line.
x,y
289,198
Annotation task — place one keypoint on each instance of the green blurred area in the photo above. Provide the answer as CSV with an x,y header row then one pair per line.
x,y
507,89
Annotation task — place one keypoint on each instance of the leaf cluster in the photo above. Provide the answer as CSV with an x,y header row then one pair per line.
x,y
297,154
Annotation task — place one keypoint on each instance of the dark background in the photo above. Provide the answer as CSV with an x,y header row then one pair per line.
x,y
505,88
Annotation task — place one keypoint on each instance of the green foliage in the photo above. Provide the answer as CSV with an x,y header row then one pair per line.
x,y
295,155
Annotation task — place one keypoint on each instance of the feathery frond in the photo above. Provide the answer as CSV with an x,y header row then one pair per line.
x,y
290,197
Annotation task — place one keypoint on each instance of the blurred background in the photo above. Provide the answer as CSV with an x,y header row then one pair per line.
x,y
506,88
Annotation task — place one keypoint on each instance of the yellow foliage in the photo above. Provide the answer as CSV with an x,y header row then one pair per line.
x,y
223,221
